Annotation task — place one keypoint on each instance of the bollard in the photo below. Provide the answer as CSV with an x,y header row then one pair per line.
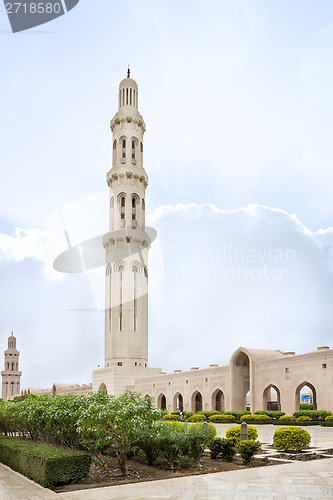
x,y
244,436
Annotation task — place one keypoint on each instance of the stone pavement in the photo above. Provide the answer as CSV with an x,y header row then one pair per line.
x,y
300,480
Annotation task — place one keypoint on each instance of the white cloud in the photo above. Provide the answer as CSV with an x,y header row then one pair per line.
x,y
31,243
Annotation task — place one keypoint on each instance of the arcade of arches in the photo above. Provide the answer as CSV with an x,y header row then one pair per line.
x,y
260,379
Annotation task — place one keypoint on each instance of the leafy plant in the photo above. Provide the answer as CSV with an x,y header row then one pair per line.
x,y
291,439
255,418
222,418
247,449
234,432
287,418
198,436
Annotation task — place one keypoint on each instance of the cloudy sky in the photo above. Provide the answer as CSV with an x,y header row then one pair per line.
x,y
238,101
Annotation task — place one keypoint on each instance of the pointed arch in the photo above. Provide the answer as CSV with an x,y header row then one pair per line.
x,y
218,400
123,147
134,149
268,403
298,394
196,401
178,401
102,388
161,401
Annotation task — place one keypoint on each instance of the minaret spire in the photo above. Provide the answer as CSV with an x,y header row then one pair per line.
x,y
10,374
128,72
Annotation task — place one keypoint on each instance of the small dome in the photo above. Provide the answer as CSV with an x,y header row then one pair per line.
x,y
128,82
12,337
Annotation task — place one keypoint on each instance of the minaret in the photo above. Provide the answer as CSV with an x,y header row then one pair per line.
x,y
126,246
11,375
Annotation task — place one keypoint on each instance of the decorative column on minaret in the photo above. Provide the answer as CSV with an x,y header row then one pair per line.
x,y
126,246
11,375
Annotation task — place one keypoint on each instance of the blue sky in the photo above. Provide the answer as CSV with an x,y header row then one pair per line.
x,y
237,97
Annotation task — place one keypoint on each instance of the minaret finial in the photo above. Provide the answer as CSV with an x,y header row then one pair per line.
x,y
128,72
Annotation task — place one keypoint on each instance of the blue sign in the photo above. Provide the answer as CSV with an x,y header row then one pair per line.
x,y
305,396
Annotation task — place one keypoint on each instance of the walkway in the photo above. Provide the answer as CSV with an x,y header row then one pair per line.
x,y
306,481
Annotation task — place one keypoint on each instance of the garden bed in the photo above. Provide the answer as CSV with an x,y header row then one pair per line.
x,y
139,471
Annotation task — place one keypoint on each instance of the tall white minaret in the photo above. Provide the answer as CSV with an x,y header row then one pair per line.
x,y
126,245
11,375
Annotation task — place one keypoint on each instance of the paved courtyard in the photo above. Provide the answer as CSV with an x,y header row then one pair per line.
x,y
298,480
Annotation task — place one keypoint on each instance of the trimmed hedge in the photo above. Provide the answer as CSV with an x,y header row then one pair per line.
x,y
234,432
196,418
313,414
208,413
274,415
44,464
259,419
237,414
222,419
291,439
170,416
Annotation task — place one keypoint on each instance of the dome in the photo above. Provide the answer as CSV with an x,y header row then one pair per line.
x,y
128,82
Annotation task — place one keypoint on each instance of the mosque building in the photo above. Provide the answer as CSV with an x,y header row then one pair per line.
x,y
274,379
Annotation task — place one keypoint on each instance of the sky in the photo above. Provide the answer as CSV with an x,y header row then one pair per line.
x,y
237,97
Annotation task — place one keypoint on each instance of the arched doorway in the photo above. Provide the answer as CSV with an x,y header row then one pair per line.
x,y
305,389
272,398
161,402
102,388
240,377
196,401
218,400
178,402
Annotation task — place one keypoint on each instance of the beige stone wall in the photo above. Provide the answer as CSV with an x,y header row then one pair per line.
x,y
249,370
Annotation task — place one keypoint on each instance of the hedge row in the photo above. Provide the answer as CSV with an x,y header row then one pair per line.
x,y
44,464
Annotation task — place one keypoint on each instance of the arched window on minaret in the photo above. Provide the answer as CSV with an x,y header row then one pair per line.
x,y
134,149
120,270
135,202
108,291
135,270
123,141
114,158
13,367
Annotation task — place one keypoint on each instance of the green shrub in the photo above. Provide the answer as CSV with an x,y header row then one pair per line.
x,y
304,406
196,418
291,439
170,416
313,414
215,447
255,418
329,418
237,414
222,418
287,418
208,413
234,432
172,439
274,415
197,438
149,442
224,446
304,419
44,464
228,449
247,449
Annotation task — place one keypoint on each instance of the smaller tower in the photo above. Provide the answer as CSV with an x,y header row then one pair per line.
x,y
11,375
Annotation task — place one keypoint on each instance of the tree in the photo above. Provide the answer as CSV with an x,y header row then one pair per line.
x,y
110,425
